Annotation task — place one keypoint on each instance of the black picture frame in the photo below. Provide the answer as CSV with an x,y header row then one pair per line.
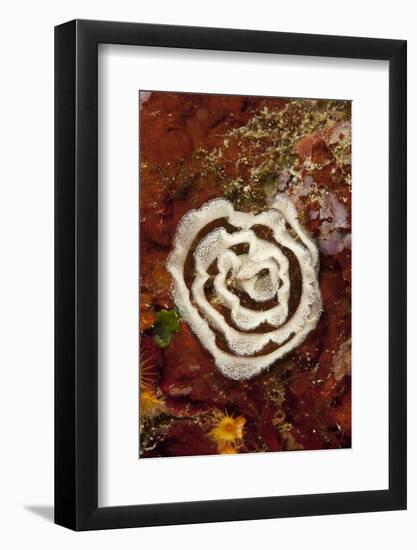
x,y
76,271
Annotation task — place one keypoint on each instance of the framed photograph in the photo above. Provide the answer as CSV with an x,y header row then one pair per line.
x,y
230,247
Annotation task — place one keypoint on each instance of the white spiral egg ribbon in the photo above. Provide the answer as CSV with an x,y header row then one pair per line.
x,y
262,272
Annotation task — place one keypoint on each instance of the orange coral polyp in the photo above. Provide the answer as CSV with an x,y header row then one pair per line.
x,y
227,449
150,405
228,429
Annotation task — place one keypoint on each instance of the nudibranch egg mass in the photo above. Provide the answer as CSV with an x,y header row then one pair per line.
x,y
250,265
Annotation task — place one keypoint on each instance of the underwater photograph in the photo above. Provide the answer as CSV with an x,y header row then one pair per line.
x,y
245,274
